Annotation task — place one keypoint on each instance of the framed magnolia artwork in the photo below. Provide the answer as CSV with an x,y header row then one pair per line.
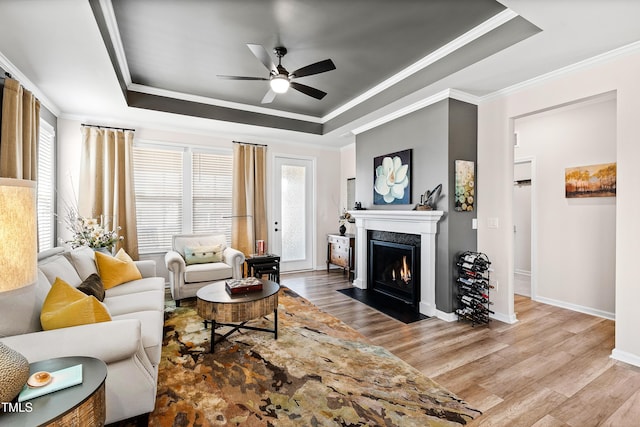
x,y
392,179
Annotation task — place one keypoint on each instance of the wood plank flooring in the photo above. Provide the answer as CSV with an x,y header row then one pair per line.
x,y
551,368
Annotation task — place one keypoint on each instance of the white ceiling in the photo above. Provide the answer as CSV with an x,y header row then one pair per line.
x,y
55,47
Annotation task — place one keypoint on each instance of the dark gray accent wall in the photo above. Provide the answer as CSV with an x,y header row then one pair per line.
x,y
463,137
438,135
208,111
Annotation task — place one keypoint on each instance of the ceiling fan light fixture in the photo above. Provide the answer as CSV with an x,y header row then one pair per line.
x,y
279,83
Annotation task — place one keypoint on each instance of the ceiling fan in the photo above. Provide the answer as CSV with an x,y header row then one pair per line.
x,y
280,79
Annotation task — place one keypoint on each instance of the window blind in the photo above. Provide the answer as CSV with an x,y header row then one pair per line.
x,y
46,187
158,179
211,186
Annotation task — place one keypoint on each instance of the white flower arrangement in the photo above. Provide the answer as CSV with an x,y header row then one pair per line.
x,y
91,232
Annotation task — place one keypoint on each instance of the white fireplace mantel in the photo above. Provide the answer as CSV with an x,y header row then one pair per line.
x,y
423,223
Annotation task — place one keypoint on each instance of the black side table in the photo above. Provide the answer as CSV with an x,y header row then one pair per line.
x,y
259,265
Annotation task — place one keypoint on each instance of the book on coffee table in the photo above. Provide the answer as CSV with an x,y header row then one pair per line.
x,y
240,286
60,379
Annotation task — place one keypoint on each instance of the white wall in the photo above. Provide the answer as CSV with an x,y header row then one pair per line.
x,y
347,170
575,238
327,176
522,218
495,177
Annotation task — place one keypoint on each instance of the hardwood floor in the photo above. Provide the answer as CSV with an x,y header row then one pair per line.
x,y
551,368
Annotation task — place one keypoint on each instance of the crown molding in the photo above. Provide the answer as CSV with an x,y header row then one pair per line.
x,y
114,33
628,49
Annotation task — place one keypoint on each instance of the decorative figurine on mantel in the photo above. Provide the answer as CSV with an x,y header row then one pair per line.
x,y
429,200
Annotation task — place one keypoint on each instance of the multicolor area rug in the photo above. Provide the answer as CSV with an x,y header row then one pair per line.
x,y
320,372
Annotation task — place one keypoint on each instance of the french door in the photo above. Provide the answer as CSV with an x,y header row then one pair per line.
x,y
293,222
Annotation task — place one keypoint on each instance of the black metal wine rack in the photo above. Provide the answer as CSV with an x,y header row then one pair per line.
x,y
473,287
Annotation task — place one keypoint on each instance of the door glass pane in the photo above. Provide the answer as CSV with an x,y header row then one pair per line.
x,y
293,212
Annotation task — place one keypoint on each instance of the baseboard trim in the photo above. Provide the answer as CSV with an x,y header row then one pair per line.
x,y
447,317
625,357
524,273
505,318
576,307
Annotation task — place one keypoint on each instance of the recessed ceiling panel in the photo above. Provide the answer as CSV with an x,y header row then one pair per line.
x,y
181,46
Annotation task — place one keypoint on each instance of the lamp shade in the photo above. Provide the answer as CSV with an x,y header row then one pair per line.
x,y
18,234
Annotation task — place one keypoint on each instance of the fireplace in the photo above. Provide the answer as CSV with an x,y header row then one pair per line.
x,y
394,267
424,225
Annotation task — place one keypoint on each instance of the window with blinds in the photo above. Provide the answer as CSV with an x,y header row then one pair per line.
x,y
211,187
158,176
180,192
46,187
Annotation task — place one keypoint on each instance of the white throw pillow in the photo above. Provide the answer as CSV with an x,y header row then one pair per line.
x,y
83,260
59,266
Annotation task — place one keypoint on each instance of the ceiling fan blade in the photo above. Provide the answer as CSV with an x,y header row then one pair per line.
x,y
308,90
317,68
261,53
269,97
240,78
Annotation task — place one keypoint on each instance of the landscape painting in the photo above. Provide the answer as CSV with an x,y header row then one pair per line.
x,y
591,181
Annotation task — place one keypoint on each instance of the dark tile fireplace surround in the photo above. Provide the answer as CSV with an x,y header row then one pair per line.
x,y
393,265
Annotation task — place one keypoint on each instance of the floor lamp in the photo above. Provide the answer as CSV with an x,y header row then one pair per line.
x,y
18,264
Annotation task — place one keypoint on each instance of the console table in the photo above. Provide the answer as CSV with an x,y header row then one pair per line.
x,y
341,252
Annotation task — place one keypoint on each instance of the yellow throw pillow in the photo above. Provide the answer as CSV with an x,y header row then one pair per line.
x,y
116,270
66,306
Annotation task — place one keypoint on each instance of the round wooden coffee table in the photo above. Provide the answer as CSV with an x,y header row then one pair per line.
x,y
216,305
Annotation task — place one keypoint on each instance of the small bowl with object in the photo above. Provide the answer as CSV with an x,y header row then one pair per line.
x,y
39,379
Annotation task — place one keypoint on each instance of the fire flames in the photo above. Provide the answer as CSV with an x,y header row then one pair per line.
x,y
404,273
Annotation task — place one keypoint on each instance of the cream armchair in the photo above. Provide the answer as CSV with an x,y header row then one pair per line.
x,y
187,275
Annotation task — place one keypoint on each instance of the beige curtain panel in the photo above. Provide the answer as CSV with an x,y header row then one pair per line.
x,y
20,132
106,182
249,197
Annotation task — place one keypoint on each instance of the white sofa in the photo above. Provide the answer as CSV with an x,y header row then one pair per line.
x,y
185,280
130,344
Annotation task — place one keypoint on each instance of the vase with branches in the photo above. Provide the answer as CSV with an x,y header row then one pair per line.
x,y
95,233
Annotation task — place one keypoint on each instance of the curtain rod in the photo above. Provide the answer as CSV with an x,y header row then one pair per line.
x,y
250,143
105,127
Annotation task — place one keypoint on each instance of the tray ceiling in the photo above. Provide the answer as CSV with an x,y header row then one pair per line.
x,y
167,54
